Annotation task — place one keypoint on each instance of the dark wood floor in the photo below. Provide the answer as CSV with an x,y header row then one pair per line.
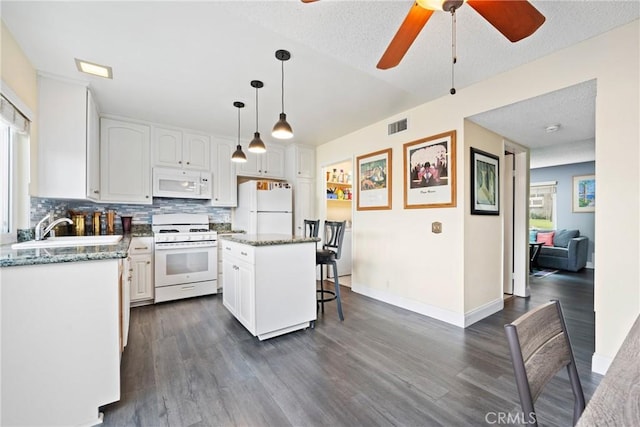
x,y
190,363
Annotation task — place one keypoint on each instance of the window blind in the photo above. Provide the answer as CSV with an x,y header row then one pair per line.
x,y
12,116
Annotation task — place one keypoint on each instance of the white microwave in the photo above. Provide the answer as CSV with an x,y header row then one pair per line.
x,y
181,183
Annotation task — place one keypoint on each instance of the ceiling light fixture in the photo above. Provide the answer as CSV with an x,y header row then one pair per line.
x,y
445,5
552,128
238,156
282,129
256,145
94,69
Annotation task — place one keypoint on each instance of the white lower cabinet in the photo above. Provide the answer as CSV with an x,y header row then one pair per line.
x,y
270,289
141,270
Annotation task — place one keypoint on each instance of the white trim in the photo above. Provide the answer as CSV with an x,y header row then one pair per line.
x,y
15,100
543,184
483,311
456,319
600,364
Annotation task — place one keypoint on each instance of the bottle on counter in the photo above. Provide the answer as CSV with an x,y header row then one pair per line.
x,y
96,223
334,176
341,176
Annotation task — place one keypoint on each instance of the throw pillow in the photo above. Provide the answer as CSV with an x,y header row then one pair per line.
x,y
546,238
533,234
563,237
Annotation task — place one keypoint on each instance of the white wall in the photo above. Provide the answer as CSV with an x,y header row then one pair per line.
x,y
20,78
398,260
483,273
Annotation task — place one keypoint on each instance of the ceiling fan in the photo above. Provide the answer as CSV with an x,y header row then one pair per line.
x,y
515,19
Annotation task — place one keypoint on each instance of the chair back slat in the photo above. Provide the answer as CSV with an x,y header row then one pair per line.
x,y
333,235
311,227
545,363
537,327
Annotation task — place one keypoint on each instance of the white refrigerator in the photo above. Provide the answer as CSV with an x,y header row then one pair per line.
x,y
264,207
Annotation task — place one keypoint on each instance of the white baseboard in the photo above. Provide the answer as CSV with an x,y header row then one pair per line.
x,y
600,364
483,311
448,316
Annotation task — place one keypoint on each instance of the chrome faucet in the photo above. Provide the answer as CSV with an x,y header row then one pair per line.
x,y
41,234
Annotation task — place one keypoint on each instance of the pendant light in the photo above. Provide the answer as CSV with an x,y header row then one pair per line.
x,y
282,129
238,156
256,145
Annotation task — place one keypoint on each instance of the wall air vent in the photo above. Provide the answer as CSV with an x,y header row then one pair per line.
x,y
396,127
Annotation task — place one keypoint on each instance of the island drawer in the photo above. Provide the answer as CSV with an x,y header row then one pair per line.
x,y
237,250
141,245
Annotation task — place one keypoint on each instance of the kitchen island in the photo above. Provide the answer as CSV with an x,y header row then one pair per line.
x,y
62,330
269,282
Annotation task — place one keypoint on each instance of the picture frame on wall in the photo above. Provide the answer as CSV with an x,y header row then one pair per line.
x,y
430,172
584,193
374,180
485,183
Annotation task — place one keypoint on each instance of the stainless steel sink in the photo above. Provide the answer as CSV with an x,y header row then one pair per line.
x,y
67,241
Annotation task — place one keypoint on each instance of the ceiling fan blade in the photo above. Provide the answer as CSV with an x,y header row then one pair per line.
x,y
407,33
515,19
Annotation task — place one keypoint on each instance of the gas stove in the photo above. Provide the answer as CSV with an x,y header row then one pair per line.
x,y
182,229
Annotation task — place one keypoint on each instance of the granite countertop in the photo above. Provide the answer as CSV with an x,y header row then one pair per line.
x,y
268,239
17,257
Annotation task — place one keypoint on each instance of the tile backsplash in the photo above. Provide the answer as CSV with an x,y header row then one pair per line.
x,y
141,213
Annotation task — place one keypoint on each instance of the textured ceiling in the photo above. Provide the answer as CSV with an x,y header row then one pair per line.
x,y
184,63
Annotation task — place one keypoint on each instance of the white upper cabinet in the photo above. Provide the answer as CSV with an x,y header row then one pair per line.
x,y
225,182
301,162
264,165
68,140
178,149
125,167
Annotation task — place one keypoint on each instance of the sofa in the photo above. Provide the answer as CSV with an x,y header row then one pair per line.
x,y
561,249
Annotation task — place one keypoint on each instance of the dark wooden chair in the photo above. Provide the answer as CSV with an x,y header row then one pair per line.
x,y
540,347
329,255
311,227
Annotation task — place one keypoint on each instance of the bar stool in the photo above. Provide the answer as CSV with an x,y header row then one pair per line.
x,y
311,227
329,255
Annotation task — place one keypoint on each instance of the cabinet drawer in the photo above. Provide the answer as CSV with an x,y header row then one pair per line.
x,y
141,245
243,252
169,293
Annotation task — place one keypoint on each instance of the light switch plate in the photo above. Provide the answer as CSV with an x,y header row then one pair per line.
x,y
436,227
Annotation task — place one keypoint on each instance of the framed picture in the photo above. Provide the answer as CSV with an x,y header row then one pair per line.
x,y
584,193
430,172
374,180
485,183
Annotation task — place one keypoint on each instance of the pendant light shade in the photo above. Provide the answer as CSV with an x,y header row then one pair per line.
x,y
282,129
238,156
256,145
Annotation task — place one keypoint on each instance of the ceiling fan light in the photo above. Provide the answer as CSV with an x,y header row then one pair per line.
x,y
238,156
282,129
256,145
440,4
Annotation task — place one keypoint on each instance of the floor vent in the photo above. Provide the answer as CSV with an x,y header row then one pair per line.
x,y
396,127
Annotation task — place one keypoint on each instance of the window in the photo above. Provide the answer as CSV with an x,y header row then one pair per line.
x,y
14,129
542,205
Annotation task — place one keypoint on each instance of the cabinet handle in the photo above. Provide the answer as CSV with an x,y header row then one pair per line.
x,y
131,269
96,192
187,288
147,196
243,253
148,262
140,248
228,248
188,163
266,171
179,162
